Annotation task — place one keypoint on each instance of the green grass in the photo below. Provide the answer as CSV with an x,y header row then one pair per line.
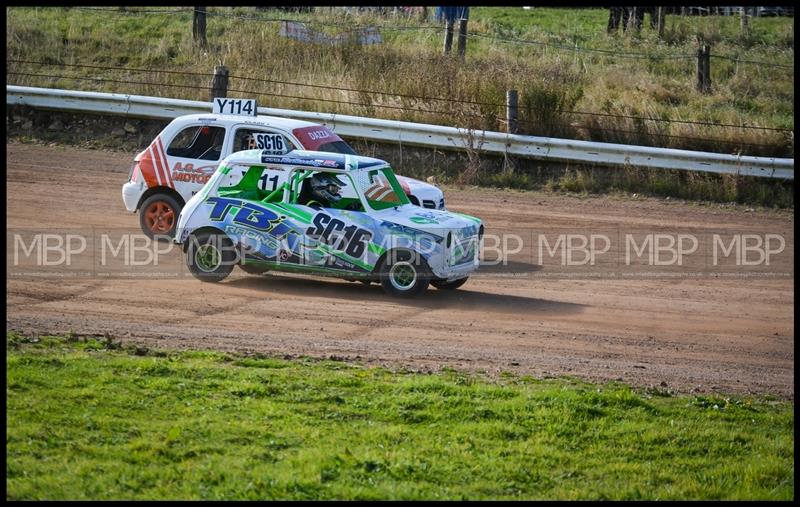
x,y
89,419
547,78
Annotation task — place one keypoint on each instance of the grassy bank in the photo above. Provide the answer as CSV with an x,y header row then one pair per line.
x,y
90,419
675,184
555,81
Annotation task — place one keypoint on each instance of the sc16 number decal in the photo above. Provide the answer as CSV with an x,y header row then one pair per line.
x,y
274,144
350,239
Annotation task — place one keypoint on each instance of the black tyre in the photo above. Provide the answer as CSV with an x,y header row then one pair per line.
x,y
253,269
445,285
158,215
210,256
404,274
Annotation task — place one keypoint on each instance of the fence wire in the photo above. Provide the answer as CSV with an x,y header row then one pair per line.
x,y
448,114
392,95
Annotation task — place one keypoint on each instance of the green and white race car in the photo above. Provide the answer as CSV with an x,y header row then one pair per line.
x,y
336,215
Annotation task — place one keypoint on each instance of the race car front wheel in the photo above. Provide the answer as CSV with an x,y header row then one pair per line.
x,y
445,285
404,274
210,257
158,216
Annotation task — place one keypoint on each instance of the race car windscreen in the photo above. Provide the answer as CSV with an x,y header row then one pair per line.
x,y
337,147
380,188
321,138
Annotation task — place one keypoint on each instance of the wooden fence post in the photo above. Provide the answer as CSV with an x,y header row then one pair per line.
x,y
512,106
462,37
512,127
745,28
704,68
448,36
219,83
199,26
632,22
660,13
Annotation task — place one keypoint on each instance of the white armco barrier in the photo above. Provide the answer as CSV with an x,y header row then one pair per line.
x,y
420,134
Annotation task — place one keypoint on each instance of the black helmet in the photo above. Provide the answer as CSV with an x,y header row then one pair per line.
x,y
325,188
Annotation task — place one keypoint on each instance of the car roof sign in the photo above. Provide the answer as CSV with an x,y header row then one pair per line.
x,y
239,107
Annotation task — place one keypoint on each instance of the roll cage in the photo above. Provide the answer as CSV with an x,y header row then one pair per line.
x,y
290,191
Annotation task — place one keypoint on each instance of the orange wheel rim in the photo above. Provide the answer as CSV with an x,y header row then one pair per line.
x,y
159,216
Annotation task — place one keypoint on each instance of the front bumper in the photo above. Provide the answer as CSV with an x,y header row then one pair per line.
x,y
451,273
131,192
461,253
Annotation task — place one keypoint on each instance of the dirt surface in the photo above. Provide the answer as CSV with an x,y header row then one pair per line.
x,y
697,333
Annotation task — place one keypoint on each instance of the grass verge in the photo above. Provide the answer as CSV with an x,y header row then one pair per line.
x,y
90,419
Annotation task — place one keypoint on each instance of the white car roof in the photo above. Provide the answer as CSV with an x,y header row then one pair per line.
x,y
260,120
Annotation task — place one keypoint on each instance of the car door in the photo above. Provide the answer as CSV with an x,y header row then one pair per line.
x,y
336,239
192,155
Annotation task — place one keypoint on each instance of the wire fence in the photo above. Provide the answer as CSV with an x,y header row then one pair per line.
x,y
488,115
422,98
449,114
762,64
350,28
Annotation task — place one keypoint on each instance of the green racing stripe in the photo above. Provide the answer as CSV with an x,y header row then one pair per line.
x,y
476,220
376,249
352,260
304,268
293,211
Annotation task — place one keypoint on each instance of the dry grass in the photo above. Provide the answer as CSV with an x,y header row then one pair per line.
x,y
409,62
409,66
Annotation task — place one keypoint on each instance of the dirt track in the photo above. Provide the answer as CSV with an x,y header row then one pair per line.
x,y
698,334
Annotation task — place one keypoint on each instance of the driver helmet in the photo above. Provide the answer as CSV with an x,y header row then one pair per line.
x,y
325,188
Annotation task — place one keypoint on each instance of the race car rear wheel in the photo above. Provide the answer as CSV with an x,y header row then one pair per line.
x,y
445,285
404,274
158,215
210,257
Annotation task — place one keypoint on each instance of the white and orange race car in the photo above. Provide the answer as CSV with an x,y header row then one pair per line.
x,y
184,155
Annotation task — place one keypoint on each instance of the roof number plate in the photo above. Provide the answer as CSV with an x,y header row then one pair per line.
x,y
245,107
